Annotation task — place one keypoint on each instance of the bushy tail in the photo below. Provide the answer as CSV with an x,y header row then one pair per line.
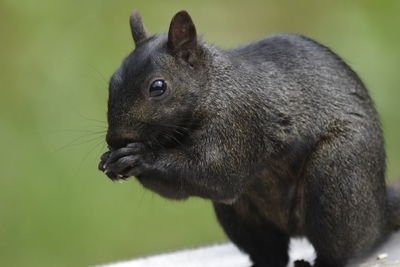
x,y
393,198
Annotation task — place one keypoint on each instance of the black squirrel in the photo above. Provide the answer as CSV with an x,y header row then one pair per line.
x,y
280,134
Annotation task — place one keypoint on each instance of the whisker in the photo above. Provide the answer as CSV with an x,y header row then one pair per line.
x,y
77,141
90,119
84,131
87,154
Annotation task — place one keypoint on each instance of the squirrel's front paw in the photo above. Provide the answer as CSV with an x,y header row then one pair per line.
x,y
124,162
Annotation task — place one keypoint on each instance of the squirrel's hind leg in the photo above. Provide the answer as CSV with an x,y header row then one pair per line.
x,y
266,245
345,213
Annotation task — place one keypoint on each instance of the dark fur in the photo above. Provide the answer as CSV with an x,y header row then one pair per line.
x,y
280,134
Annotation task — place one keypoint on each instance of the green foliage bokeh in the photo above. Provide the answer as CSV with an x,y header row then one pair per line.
x,y
56,57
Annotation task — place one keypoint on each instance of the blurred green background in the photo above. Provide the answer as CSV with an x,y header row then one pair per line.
x,y
56,57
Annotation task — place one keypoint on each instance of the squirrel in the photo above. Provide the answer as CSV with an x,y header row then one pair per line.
x,y
280,134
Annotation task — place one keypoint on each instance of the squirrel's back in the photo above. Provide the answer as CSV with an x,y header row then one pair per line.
x,y
296,88
300,58
305,78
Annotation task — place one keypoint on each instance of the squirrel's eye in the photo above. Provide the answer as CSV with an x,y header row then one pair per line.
x,y
157,88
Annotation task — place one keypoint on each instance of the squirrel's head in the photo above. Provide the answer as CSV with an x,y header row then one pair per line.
x,y
154,93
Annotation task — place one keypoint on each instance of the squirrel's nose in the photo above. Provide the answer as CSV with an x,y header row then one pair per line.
x,y
117,138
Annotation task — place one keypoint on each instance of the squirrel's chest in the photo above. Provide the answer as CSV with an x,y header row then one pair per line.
x,y
272,200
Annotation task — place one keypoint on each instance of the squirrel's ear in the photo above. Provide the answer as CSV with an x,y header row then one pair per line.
x,y
182,33
139,32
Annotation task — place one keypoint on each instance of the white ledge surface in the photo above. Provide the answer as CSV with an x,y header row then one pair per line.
x,y
227,255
